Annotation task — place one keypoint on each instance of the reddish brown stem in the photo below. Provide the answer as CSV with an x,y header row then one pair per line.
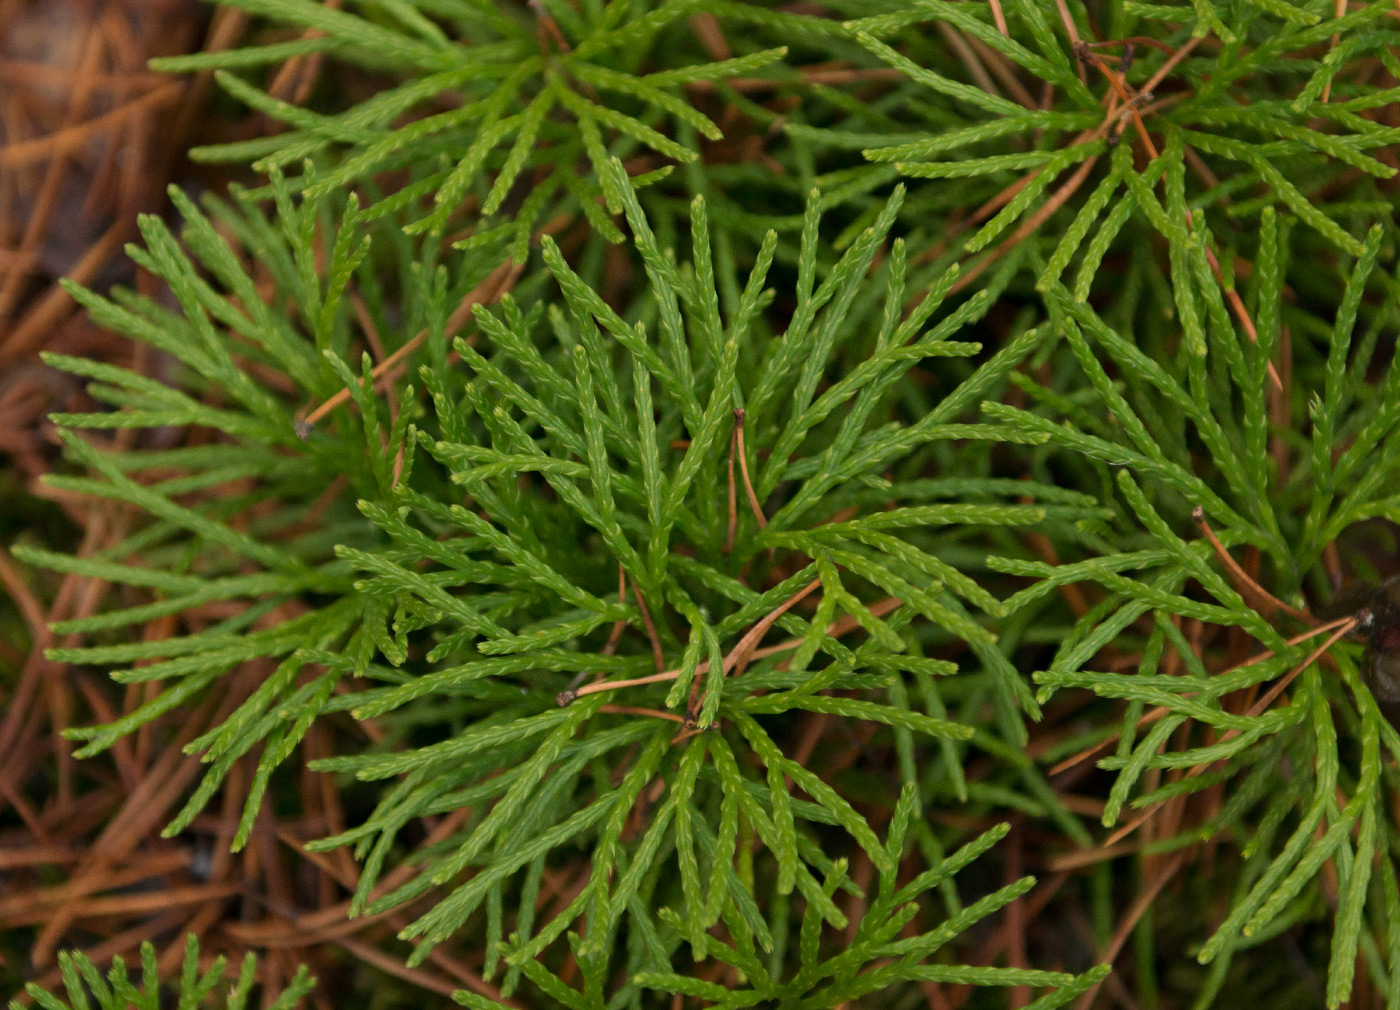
x,y
497,283
1161,710
1240,577
757,509
654,713
999,18
656,651
835,629
1343,627
733,499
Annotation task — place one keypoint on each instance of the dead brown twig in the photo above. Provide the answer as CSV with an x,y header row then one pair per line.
x,y
1153,715
836,629
496,284
1339,629
1240,577
1087,55
736,448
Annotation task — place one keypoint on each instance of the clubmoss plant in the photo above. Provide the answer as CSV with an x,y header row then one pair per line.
x,y
624,397
84,985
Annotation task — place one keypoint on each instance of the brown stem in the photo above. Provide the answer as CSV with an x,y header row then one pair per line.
x,y
1170,65
1152,716
744,467
1133,40
655,713
835,629
742,652
497,283
1343,627
615,635
1071,31
1240,577
1114,115
1339,10
1130,921
999,18
733,496
656,652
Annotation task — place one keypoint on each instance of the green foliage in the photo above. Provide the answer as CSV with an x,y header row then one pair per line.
x,y
838,979
870,961
232,549
1286,499
1231,115
537,568
118,991
785,458
526,103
